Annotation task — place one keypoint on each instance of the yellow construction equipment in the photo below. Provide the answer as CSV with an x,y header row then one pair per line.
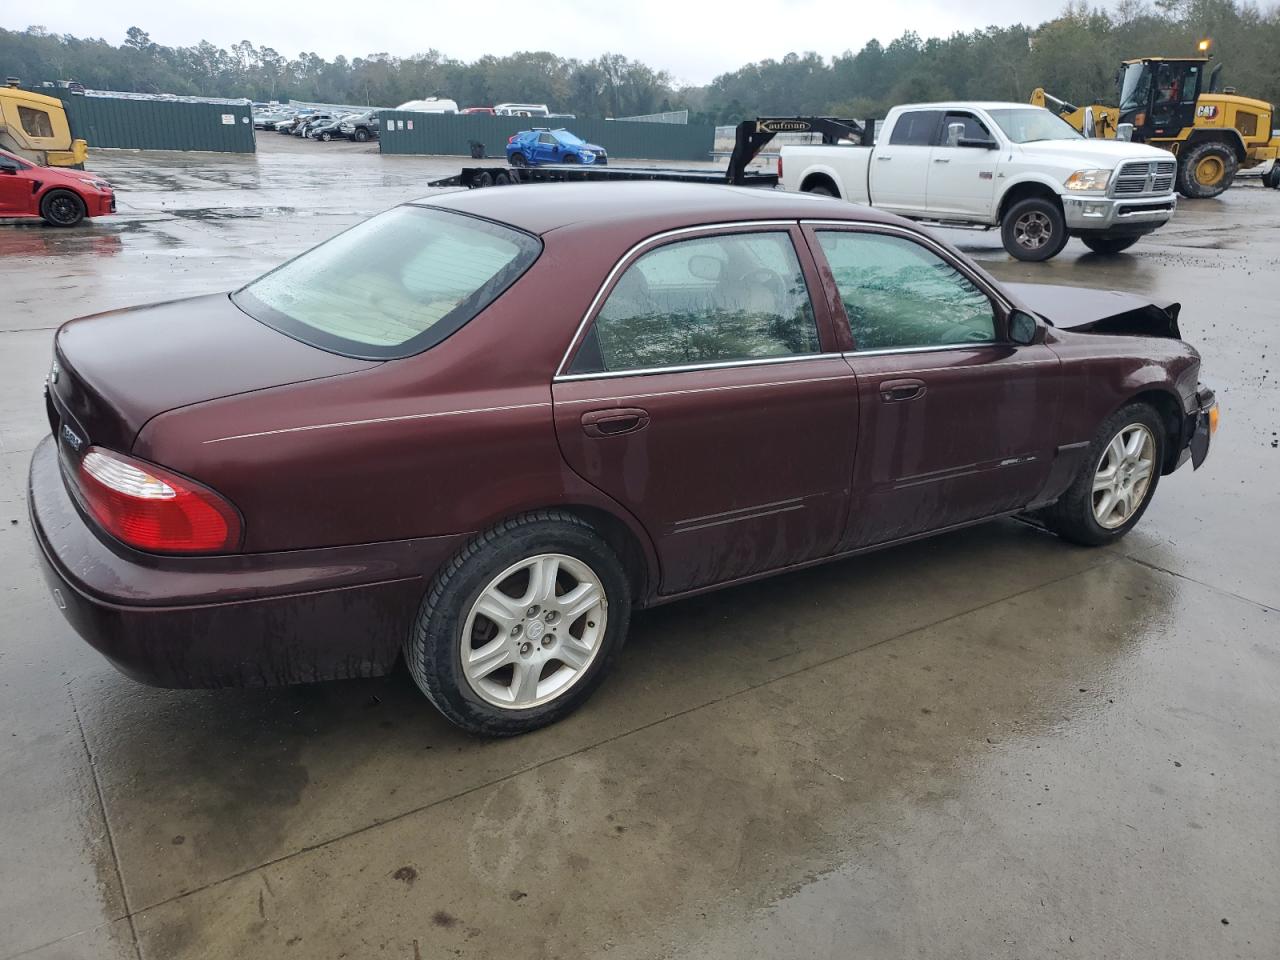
x,y
35,127
1175,103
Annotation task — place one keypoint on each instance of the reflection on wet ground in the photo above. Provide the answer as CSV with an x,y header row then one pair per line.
x,y
988,745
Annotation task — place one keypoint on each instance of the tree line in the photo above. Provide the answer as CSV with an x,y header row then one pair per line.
x,y
1073,56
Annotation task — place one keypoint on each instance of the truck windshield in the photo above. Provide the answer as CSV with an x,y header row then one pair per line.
x,y
392,286
1135,87
1031,124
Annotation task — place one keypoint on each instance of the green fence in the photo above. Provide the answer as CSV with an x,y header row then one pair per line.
x,y
451,135
161,124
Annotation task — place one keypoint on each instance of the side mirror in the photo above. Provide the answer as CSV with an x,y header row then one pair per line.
x,y
1124,131
980,143
955,133
1022,328
8,166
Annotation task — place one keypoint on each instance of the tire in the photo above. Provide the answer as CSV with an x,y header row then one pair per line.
x,y
1109,246
361,136
1209,159
485,179
502,179
326,137
569,158
487,702
62,208
1272,179
1075,517
1034,230
820,189
517,159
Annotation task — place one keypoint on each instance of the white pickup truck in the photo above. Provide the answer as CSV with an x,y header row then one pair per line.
x,y
985,165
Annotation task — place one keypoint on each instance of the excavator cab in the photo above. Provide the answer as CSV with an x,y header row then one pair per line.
x,y
1158,95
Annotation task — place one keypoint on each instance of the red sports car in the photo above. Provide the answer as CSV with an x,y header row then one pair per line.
x,y
56,195
477,430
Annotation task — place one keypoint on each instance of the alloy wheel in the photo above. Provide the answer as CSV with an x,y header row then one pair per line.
x,y
534,631
1123,476
1032,230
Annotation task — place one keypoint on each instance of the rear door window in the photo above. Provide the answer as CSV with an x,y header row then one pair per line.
x,y
915,128
392,286
707,300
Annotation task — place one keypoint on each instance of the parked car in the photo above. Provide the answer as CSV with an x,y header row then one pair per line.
x,y
361,127
311,123
522,110
326,130
430,105
529,148
289,124
488,111
1006,165
60,196
379,449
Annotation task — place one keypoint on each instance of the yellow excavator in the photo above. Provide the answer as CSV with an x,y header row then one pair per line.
x,y
35,127
1175,103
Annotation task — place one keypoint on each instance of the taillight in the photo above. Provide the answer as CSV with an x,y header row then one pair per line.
x,y
512,138
779,166
152,509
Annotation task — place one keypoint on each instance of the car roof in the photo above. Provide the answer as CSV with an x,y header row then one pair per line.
x,y
643,208
971,104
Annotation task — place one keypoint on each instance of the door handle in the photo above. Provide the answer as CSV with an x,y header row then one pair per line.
x,y
941,159
896,391
882,158
614,422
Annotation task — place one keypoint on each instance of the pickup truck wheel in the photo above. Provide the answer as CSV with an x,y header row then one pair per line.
x,y
1119,476
521,626
1206,170
62,208
361,135
1034,229
1109,245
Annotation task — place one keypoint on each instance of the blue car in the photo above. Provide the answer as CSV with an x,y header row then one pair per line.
x,y
529,148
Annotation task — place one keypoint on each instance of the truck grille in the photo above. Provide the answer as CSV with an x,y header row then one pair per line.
x,y
1144,177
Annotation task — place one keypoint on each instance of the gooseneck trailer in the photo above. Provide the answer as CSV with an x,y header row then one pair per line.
x,y
750,138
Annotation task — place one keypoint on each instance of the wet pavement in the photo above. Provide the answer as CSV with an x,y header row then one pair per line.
x,y
991,744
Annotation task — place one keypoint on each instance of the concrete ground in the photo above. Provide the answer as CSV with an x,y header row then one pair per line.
x,y
989,745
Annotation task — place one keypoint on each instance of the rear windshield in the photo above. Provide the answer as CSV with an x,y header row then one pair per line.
x,y
392,286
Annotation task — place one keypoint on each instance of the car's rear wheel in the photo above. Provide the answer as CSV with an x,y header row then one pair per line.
x,y
361,135
519,628
821,189
1034,229
517,159
1114,487
1109,246
62,208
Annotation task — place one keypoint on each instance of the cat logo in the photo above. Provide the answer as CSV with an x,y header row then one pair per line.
x,y
1208,111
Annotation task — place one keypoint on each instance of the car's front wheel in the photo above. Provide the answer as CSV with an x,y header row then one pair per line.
x,y
361,135
519,628
1114,487
1034,229
62,208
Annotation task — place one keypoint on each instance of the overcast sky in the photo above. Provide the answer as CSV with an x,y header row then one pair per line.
x,y
693,40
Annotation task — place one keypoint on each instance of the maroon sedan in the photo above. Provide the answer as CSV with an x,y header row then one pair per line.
x,y
478,429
